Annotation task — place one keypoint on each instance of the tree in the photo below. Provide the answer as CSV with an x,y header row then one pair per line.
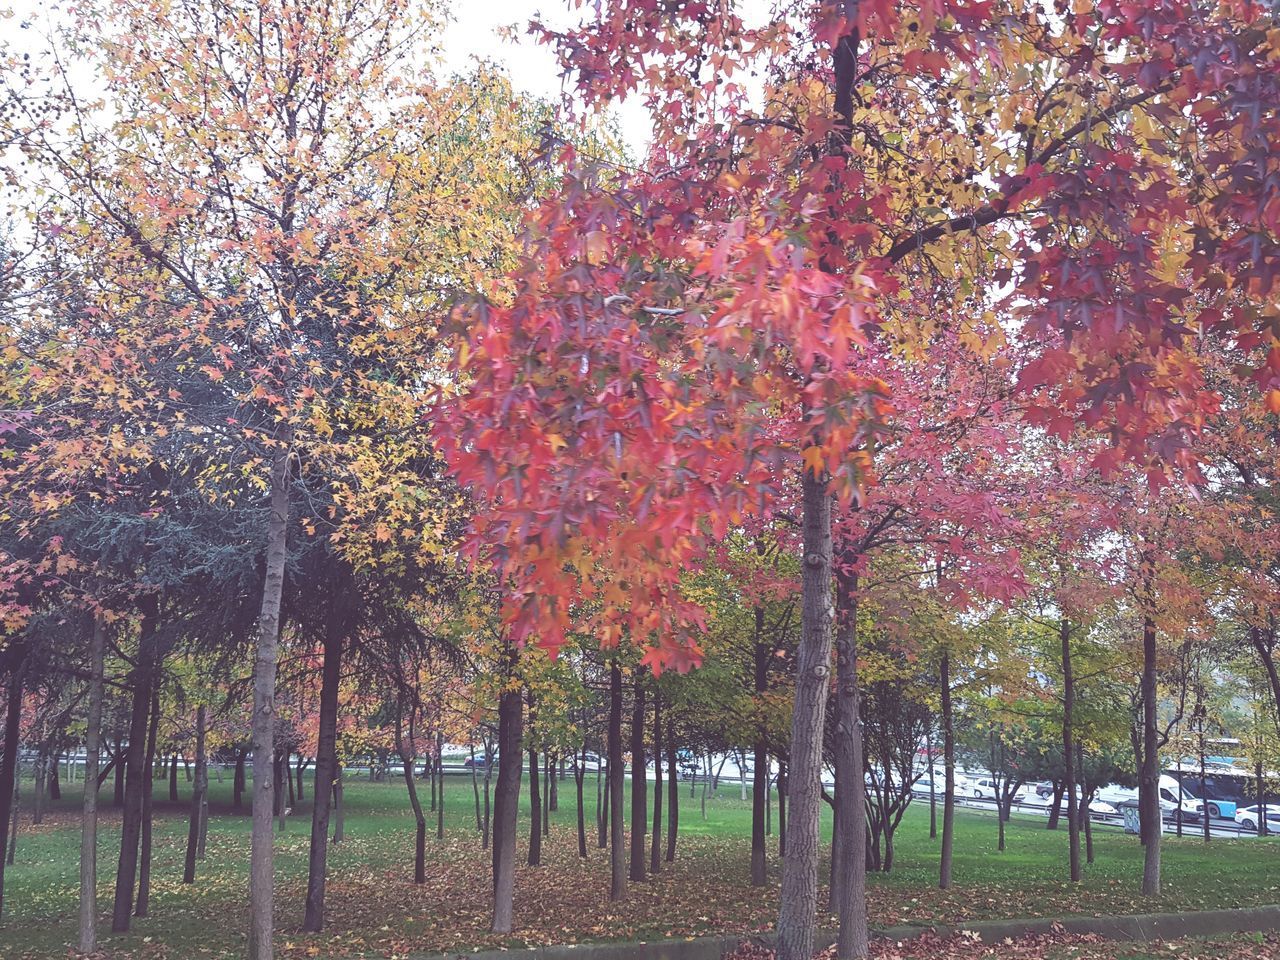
x,y
827,178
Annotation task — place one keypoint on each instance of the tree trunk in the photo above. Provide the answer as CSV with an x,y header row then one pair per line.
x,y
760,776
673,792
419,818
55,787
197,801
9,759
639,785
440,764
238,780
117,785
40,773
13,824
602,803
488,768
933,790
579,764
135,758
553,793
548,787
282,773
326,765
286,774
949,772
475,787
1069,751
655,843
148,790
782,810
262,852
173,779
1260,786
535,796
1055,811
303,763
89,815
799,896
850,853
1150,778
339,808
506,807
617,863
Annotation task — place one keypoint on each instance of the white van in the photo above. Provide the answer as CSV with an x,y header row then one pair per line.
x,y
1171,793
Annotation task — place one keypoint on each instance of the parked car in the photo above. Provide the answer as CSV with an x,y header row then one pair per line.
x,y
1100,808
983,788
1247,817
478,761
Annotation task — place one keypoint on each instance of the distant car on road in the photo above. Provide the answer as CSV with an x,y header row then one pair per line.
x,y
477,761
1248,818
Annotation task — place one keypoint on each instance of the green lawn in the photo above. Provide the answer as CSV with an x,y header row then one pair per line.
x,y
375,909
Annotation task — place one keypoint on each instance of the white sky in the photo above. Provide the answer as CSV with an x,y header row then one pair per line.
x,y
532,66
471,34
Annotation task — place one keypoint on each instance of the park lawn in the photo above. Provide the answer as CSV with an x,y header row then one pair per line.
x,y
375,909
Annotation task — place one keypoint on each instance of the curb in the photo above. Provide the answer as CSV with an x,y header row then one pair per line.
x,y
1136,927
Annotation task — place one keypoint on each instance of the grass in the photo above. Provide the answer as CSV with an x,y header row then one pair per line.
x,y
375,909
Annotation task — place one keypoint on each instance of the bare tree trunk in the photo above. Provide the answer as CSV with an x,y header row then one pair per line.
x,y
326,766
553,791
639,786
933,791
173,778
9,760
1150,778
440,764
282,773
602,805
13,823
339,809
850,853
617,863
475,787
1260,786
1055,811
488,768
673,792
782,810
262,852
419,818
655,844
197,801
760,777
238,780
579,764
148,790
89,814
548,788
535,796
506,807
949,772
1069,750
799,896
136,757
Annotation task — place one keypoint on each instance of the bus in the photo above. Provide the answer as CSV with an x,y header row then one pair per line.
x,y
1225,788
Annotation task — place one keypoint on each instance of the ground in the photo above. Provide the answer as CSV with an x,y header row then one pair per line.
x,y
376,910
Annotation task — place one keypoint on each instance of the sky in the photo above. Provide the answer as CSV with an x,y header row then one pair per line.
x,y
471,34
